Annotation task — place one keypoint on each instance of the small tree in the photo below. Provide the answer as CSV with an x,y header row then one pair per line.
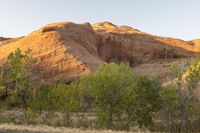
x,y
18,75
2,89
142,101
66,97
43,101
107,85
170,107
60,98
187,81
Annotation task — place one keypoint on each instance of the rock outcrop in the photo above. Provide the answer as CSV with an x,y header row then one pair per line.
x,y
70,50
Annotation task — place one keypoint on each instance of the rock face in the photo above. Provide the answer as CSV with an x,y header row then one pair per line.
x,y
8,40
127,44
2,39
70,50
196,43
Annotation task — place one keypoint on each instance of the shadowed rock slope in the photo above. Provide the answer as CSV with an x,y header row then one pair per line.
x,y
70,50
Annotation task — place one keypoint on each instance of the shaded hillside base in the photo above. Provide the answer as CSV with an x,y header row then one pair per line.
x,y
159,68
13,120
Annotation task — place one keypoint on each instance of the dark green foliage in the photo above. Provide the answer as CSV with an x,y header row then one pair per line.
x,y
180,100
43,100
170,107
66,97
107,86
18,72
142,101
21,70
60,98
120,94
147,101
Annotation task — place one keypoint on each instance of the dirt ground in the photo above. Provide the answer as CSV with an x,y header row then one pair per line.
x,y
159,68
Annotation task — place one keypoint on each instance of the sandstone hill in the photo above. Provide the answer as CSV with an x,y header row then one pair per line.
x,y
70,50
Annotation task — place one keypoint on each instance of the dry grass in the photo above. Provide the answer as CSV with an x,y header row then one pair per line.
x,y
48,129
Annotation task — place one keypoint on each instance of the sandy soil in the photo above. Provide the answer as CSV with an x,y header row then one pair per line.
x,y
159,68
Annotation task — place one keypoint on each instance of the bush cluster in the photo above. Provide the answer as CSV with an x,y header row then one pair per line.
x,y
113,97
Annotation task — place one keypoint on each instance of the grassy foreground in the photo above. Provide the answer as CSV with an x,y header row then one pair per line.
x,y
47,129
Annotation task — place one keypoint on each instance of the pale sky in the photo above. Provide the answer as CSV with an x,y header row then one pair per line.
x,y
173,18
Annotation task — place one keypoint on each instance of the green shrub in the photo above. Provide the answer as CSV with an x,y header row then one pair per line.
x,y
142,101
121,96
107,85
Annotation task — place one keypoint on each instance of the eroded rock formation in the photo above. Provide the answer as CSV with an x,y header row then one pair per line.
x,y
70,50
